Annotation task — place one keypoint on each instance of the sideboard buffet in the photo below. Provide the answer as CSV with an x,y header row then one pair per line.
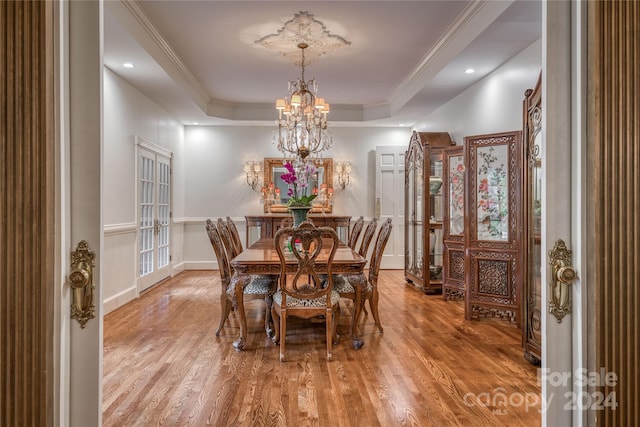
x,y
260,226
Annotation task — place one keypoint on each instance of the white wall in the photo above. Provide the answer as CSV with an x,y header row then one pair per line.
x,y
127,112
492,105
215,181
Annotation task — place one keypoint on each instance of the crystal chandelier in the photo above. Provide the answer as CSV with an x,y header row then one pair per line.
x,y
302,119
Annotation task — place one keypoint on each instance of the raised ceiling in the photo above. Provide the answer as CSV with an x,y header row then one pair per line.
x,y
200,60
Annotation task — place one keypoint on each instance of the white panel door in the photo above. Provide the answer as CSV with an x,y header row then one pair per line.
x,y
390,201
154,217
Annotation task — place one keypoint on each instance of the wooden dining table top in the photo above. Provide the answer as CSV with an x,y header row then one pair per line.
x,y
263,253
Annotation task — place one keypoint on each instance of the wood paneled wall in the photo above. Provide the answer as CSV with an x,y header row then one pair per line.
x,y
614,128
26,212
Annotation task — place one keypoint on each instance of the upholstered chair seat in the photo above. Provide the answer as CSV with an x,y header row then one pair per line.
x,y
297,302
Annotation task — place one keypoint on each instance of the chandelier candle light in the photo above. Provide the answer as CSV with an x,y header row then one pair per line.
x,y
302,118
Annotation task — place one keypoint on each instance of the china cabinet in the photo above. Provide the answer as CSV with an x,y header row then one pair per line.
x,y
532,308
493,224
453,225
424,209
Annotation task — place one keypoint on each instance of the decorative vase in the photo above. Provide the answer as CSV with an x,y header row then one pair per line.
x,y
299,214
435,182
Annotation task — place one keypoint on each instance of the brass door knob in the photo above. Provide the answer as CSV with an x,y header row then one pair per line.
x,y
78,278
566,274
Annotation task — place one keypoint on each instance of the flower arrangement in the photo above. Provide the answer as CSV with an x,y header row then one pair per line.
x,y
298,179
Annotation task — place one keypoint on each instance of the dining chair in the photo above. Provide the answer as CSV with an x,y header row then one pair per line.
x,y
355,232
347,290
259,287
367,237
235,235
227,239
230,235
302,293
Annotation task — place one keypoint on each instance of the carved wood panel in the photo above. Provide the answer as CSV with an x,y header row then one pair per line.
x,y
493,290
454,285
493,208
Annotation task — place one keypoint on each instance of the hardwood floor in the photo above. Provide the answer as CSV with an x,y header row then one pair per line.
x,y
164,365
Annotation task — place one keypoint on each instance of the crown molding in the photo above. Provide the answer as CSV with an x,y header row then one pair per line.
x,y
152,40
473,20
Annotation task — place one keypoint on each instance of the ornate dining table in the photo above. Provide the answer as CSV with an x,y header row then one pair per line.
x,y
262,258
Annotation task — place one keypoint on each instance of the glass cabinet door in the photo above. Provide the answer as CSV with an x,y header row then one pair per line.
x,y
531,331
436,214
410,212
453,281
414,209
419,217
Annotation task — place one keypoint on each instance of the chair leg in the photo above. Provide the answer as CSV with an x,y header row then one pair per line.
x,y
276,324
373,304
268,321
225,309
336,321
329,328
283,333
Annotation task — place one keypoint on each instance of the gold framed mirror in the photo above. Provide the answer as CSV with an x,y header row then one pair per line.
x,y
274,193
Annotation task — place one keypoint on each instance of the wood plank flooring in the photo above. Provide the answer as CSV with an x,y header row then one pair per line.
x,y
164,365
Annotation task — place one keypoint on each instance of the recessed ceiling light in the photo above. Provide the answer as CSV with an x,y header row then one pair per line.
x,y
469,71
196,123
128,65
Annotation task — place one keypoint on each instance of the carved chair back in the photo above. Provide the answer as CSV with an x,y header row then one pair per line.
x,y
378,249
235,235
227,239
355,232
221,253
305,282
367,237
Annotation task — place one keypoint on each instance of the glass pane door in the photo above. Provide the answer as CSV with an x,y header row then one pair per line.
x,y
154,217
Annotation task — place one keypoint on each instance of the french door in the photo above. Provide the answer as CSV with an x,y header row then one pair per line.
x,y
154,213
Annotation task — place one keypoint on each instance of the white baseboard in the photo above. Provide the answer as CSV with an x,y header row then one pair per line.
x,y
175,269
120,299
201,265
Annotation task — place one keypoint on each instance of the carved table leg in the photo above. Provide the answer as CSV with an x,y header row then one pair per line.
x,y
238,282
359,282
